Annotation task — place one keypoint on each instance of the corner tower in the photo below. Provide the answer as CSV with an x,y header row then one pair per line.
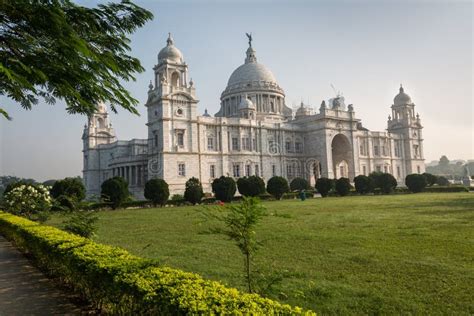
x,y
172,116
407,126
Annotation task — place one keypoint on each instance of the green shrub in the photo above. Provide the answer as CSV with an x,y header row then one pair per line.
x,y
251,186
82,223
442,181
415,182
277,186
324,185
298,184
69,187
177,197
430,179
363,184
119,283
193,192
343,186
224,188
385,182
29,200
157,191
114,191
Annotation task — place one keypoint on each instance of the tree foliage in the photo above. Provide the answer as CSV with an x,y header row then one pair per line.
x,y
343,186
298,184
224,188
442,181
70,187
324,185
157,191
363,184
277,186
115,191
82,223
193,192
251,186
415,182
60,50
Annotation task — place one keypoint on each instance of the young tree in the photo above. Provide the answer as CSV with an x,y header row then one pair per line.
x,y
157,191
363,184
415,182
251,186
323,186
343,186
240,221
61,50
82,223
298,184
115,191
277,186
224,188
193,192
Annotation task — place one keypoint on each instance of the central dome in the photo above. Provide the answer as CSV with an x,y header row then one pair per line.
x,y
251,71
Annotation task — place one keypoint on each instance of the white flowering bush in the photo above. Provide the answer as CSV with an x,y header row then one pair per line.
x,y
31,201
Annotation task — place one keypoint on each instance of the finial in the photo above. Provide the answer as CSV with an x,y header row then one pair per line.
x,y
389,117
401,88
169,41
150,86
417,115
191,82
249,36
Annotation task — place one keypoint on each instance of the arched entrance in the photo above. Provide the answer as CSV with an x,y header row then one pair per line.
x,y
342,159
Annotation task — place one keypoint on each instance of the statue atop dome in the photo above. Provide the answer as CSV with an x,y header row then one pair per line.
x,y
249,36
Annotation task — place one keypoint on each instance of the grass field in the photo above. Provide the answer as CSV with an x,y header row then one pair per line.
x,y
397,254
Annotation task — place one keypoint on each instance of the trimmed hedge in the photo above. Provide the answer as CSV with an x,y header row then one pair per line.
x,y
451,188
117,282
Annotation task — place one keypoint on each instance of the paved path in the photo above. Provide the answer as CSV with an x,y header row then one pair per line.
x,y
26,291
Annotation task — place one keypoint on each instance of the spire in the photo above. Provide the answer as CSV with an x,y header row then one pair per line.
x,y
169,41
401,88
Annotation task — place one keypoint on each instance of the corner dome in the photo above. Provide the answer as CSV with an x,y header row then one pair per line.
x,y
402,98
246,103
170,52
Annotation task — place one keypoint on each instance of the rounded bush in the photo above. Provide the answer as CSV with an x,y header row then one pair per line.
x,y
224,188
114,191
251,186
193,192
415,182
323,186
298,184
157,191
277,186
384,181
430,179
442,181
343,186
31,201
363,184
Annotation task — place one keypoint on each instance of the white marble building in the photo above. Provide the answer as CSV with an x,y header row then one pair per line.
x,y
254,132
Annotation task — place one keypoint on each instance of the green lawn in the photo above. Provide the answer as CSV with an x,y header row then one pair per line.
x,y
398,254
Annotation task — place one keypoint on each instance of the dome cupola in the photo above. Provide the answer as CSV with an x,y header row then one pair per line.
x,y
246,103
170,53
402,98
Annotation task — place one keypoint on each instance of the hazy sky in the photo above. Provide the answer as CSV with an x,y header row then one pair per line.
x,y
365,48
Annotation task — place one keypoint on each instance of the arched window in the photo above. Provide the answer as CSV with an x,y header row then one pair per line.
x,y
100,122
175,79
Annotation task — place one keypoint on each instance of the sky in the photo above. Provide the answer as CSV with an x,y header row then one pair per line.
x,y
366,49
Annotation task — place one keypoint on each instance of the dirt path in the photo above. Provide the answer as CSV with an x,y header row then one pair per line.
x,y
26,291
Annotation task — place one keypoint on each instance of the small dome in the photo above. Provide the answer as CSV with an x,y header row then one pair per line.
x,y
170,52
303,110
402,98
246,103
